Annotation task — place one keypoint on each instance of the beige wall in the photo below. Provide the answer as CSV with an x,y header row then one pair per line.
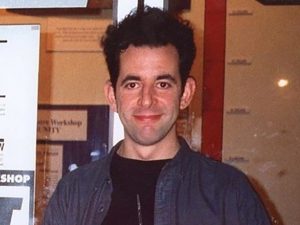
x,y
261,120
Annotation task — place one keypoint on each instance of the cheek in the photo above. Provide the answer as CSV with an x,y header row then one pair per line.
x,y
171,99
124,103
170,103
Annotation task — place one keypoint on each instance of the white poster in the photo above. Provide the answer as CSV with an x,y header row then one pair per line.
x,y
15,4
19,60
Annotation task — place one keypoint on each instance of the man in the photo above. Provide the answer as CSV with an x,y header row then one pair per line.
x,y
152,176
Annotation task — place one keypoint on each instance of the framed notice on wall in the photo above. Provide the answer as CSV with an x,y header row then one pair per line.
x,y
19,60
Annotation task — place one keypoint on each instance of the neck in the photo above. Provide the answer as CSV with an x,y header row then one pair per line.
x,y
165,149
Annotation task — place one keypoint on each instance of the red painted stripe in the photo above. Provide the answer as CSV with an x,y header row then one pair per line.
x,y
213,78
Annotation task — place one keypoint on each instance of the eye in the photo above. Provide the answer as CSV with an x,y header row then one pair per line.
x,y
163,85
131,85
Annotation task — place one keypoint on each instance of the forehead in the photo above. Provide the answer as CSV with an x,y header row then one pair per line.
x,y
145,59
164,49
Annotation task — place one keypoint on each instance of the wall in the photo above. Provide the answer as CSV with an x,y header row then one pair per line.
x,y
261,120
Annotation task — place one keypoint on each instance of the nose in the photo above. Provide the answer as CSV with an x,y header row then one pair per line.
x,y
147,97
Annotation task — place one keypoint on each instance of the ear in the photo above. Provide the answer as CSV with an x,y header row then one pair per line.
x,y
110,95
188,93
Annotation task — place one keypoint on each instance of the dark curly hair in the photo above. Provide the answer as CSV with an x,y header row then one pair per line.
x,y
151,27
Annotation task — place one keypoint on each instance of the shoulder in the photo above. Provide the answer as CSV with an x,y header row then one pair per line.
x,y
217,177
91,174
225,186
197,163
212,171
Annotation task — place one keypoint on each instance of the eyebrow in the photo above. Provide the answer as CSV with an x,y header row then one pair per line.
x,y
167,77
130,78
160,77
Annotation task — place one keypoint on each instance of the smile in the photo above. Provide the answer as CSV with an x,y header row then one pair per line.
x,y
147,118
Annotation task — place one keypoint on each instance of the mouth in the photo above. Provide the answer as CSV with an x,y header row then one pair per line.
x,y
147,118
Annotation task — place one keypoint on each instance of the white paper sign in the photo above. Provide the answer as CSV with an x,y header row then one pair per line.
x,y
42,4
19,60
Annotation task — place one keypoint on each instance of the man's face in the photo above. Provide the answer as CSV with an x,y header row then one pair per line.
x,y
148,93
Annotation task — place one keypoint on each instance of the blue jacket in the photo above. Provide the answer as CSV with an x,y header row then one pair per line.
x,y
191,190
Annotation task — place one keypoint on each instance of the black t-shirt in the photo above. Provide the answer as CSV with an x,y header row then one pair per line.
x,y
134,184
